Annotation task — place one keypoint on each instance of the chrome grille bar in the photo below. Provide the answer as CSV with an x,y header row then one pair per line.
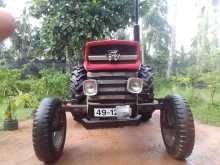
x,y
105,58
112,87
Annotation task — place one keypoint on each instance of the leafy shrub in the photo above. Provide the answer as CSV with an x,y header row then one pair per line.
x,y
51,84
18,98
182,81
9,108
8,80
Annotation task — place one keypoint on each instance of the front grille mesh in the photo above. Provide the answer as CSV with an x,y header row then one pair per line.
x,y
112,87
123,49
99,54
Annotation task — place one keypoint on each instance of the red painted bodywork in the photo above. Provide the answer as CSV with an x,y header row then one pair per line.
x,y
110,67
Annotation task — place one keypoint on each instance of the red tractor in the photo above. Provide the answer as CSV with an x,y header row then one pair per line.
x,y
112,89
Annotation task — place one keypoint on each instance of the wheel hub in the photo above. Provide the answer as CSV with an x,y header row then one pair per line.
x,y
169,127
58,130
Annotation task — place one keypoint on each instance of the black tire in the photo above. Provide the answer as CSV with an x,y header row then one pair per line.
x,y
177,127
49,130
147,94
10,125
146,116
76,86
77,117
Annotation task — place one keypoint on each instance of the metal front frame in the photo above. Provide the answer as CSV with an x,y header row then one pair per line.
x,y
74,107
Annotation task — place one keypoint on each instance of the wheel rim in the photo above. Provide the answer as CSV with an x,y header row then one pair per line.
x,y
58,132
169,126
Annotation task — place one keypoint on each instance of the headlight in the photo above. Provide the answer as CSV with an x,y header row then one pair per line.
x,y
90,87
135,85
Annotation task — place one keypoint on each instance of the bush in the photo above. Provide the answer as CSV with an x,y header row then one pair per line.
x,y
51,84
18,98
204,102
8,80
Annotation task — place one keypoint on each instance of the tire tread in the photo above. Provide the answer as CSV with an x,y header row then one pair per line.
x,y
184,126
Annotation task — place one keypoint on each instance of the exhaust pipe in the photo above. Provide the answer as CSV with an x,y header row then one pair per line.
x,y
136,26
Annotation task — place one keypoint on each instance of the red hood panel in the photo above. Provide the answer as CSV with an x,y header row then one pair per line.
x,y
108,67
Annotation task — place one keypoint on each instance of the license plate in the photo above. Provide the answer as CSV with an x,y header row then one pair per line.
x,y
105,112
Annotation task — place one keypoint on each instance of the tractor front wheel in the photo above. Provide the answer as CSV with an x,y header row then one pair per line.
x,y
49,130
177,127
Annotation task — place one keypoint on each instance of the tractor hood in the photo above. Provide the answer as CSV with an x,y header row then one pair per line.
x,y
107,55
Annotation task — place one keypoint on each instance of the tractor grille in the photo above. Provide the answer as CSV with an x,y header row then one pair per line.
x,y
125,54
112,87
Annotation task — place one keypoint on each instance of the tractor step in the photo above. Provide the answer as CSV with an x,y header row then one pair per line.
x,y
94,124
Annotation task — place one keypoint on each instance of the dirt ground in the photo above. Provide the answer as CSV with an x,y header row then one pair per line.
x,y
118,146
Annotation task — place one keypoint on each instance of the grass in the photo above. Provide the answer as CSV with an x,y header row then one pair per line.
x,y
199,99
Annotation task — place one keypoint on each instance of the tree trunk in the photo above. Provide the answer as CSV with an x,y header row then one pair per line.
x,y
172,54
149,45
144,53
1,48
173,42
68,62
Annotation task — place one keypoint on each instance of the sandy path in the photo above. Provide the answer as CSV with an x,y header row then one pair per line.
x,y
119,146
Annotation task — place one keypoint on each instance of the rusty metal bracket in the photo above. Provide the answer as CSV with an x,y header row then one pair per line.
x,y
72,106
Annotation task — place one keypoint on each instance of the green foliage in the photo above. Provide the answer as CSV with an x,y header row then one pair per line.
x,y
9,109
204,54
11,105
19,98
155,34
183,81
68,25
26,100
203,101
26,38
18,107
186,76
51,84
73,23
8,80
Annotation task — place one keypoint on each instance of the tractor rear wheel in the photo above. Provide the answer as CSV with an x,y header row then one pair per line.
x,y
177,127
76,87
146,116
147,94
49,130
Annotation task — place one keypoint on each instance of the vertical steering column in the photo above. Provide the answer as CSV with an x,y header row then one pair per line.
x,y
136,26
